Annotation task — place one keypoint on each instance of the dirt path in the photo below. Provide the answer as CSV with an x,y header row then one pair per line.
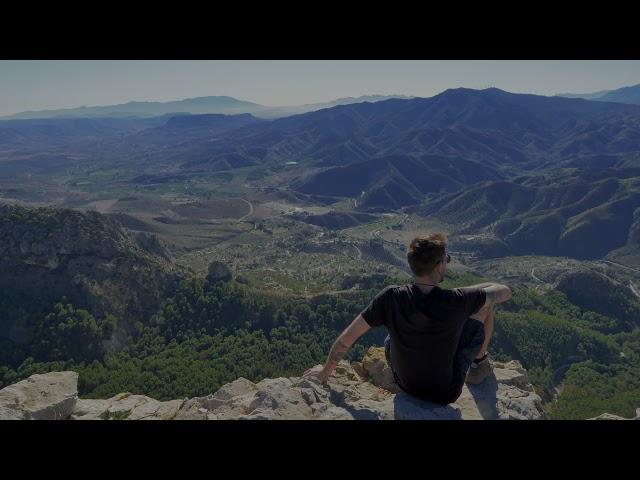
x,y
250,209
533,275
624,266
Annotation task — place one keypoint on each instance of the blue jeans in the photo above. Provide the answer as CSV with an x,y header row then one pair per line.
x,y
470,344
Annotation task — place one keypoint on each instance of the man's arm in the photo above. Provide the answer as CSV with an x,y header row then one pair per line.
x,y
348,337
482,285
496,293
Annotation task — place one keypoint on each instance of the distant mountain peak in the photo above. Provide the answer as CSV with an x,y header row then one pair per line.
x,y
211,104
464,92
629,94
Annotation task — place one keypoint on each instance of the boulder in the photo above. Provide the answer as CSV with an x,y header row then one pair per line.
x,y
377,370
232,400
49,396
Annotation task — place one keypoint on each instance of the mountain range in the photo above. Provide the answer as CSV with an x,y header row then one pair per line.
x,y
621,95
396,151
582,214
198,105
504,132
530,166
498,128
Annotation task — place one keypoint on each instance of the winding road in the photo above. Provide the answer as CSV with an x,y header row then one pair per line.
x,y
250,209
621,265
557,374
534,276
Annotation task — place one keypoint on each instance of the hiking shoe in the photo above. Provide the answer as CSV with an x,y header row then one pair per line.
x,y
479,371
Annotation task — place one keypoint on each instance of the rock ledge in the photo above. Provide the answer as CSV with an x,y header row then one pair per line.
x,y
359,391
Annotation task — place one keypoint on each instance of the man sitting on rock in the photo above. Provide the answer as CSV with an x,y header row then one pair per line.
x,y
438,338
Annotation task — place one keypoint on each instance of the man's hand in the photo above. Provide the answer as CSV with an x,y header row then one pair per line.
x,y
317,372
355,330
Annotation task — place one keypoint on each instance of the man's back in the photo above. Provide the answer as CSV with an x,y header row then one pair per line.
x,y
425,330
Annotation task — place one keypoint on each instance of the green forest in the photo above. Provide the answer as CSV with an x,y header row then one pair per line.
x,y
209,333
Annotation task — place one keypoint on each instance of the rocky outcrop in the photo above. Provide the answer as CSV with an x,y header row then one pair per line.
x,y
505,395
125,406
47,253
51,396
353,392
609,416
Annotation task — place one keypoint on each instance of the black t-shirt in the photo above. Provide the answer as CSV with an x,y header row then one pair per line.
x,y
425,329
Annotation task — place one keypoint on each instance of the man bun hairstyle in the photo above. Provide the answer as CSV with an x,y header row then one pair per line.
x,y
425,251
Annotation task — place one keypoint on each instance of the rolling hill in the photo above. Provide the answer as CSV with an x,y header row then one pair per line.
x,y
396,181
581,214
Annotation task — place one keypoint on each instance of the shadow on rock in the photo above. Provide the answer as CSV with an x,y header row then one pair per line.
x,y
408,407
486,398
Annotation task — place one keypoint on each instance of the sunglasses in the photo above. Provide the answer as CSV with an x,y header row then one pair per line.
x,y
448,257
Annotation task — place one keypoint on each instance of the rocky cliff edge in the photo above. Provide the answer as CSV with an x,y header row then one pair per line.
x,y
356,391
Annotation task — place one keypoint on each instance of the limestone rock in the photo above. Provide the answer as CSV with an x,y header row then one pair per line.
x,y
49,396
408,407
231,401
609,416
378,372
346,396
87,409
11,414
507,394
192,409
125,406
274,399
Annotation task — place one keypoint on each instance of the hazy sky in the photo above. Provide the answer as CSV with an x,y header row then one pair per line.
x,y
46,84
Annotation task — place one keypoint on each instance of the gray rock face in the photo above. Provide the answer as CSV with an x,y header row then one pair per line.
x,y
230,401
125,406
506,395
609,416
351,393
11,414
88,257
50,396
